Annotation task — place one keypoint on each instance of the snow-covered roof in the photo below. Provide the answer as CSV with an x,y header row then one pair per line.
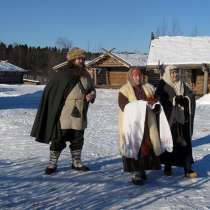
x,y
133,59
179,50
5,66
128,59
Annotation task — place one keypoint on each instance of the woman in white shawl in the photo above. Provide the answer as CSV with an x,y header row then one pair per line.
x,y
135,89
178,102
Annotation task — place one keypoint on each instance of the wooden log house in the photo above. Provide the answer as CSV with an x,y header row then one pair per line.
x,y
191,54
11,74
110,69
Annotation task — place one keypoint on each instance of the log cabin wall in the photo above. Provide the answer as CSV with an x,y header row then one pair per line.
x,y
110,70
153,77
193,77
11,78
117,76
109,73
101,77
111,77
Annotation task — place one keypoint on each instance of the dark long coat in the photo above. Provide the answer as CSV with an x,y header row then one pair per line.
x,y
165,94
46,126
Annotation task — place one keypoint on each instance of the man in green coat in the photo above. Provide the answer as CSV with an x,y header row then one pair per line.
x,y
62,114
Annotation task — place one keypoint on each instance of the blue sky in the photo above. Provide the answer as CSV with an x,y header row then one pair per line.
x,y
93,24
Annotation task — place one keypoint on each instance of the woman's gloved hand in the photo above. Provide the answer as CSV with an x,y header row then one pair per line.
x,y
179,99
156,109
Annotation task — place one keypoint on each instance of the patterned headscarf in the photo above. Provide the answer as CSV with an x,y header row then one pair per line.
x,y
132,71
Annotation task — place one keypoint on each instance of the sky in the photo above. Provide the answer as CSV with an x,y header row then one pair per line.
x,y
125,25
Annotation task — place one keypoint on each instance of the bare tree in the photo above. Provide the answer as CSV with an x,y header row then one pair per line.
x,y
176,30
162,29
63,42
88,46
194,31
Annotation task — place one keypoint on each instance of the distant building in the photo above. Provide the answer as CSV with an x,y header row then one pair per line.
x,y
110,69
192,54
11,74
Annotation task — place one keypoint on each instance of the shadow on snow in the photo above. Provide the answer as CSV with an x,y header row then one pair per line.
x,y
27,101
105,186
201,141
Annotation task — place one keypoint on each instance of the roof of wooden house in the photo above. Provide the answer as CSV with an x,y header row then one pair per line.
x,y
179,50
126,59
5,66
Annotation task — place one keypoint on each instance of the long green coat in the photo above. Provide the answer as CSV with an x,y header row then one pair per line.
x,y
46,125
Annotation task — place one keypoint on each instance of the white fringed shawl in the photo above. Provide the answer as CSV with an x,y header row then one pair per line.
x,y
133,126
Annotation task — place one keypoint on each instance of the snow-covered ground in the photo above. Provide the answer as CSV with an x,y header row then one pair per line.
x,y
23,184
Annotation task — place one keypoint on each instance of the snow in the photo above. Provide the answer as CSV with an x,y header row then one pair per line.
x,y
23,184
179,50
133,59
8,67
204,100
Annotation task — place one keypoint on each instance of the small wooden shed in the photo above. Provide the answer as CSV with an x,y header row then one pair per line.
x,y
191,54
11,74
110,69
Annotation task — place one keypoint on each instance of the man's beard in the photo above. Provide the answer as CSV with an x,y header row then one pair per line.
x,y
79,69
80,66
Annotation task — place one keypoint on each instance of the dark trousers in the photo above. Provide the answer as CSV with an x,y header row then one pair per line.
x,y
75,137
187,165
132,165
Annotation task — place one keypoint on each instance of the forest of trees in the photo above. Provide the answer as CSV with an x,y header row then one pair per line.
x,y
36,59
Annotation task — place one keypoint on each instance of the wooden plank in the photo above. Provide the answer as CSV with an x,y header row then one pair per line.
x,y
107,78
117,78
184,66
95,77
205,79
109,62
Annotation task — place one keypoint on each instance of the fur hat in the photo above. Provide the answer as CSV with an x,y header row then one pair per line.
x,y
75,53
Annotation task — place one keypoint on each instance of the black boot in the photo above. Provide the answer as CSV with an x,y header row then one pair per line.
x,y
143,175
76,161
52,167
188,172
191,174
137,179
50,170
168,170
